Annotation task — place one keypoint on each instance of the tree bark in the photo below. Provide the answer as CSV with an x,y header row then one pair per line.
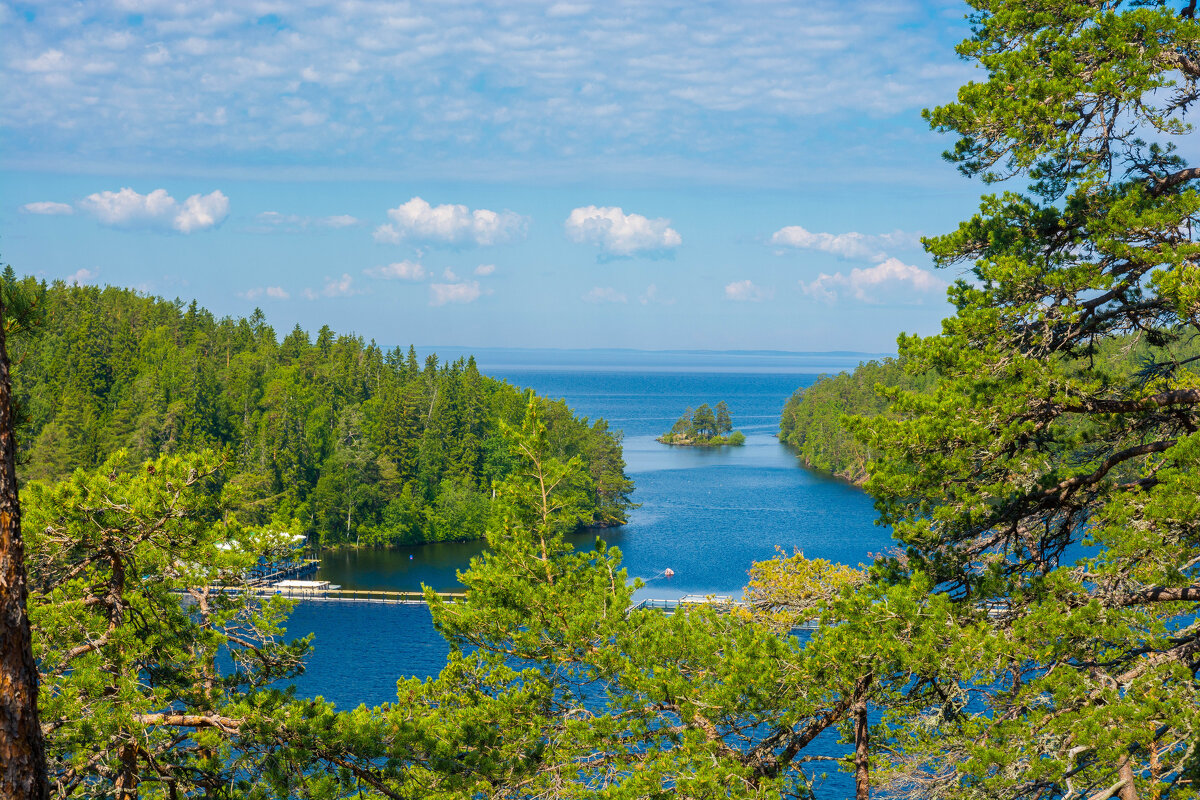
x,y
22,751
862,742
126,785
1128,788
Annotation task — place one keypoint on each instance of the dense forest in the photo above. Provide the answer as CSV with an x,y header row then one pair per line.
x,y
1035,637
332,437
830,423
814,417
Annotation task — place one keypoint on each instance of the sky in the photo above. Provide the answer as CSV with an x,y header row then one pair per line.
x,y
655,175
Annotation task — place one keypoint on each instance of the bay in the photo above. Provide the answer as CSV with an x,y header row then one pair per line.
x,y
707,514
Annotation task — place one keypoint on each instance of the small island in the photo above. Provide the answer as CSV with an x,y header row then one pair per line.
x,y
704,427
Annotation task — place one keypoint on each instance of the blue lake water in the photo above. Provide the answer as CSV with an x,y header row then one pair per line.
x,y
707,514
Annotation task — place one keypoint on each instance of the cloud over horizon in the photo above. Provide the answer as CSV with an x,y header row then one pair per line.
x,y
334,287
463,292
273,292
419,221
864,284
129,209
747,291
618,233
869,247
402,270
48,207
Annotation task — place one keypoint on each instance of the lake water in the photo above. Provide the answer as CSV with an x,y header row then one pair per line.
x,y
707,514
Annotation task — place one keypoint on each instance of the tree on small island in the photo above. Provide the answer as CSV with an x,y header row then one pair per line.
x,y
704,427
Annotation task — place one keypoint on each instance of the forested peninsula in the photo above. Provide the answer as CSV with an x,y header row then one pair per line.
x,y
331,437
815,418
830,423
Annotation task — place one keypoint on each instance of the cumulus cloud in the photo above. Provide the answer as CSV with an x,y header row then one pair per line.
x,y
463,292
619,233
201,212
419,221
868,284
334,287
47,207
81,276
273,292
870,247
398,270
127,209
743,291
485,269
604,294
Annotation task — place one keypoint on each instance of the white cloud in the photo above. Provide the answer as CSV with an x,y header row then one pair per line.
x,y
201,212
870,247
449,224
339,221
619,233
491,90
402,270
49,61
81,276
273,292
603,294
157,209
449,275
865,284
485,269
747,291
442,293
47,207
334,287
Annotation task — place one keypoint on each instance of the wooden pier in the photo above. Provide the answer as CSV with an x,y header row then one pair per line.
x,y
295,569
325,594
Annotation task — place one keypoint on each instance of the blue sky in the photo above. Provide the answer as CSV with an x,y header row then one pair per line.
x,y
565,174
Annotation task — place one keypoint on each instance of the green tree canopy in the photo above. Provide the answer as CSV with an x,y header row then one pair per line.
x,y
1044,486
322,436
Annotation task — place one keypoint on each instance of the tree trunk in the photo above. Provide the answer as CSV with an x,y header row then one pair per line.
x,y
862,772
22,752
126,785
1129,788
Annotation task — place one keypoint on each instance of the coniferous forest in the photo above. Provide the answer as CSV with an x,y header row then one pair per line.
x,y
1034,634
329,436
